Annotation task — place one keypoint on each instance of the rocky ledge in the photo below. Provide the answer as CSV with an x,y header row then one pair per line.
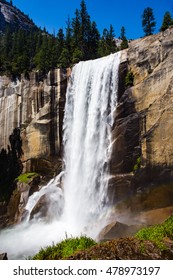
x,y
125,249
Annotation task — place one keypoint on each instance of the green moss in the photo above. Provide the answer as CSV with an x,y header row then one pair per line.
x,y
24,178
137,165
157,233
64,249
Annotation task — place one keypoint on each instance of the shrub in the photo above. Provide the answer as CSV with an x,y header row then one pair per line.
x,y
64,249
129,79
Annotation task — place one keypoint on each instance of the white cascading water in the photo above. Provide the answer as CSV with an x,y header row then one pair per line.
x,y
79,207
91,100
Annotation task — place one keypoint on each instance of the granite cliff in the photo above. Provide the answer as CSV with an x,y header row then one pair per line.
x,y
13,18
142,162
35,105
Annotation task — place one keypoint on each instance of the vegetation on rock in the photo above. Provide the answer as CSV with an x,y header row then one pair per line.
x,y
64,249
157,233
129,79
137,165
25,177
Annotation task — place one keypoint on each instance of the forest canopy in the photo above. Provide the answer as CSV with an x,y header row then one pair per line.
x,y
24,50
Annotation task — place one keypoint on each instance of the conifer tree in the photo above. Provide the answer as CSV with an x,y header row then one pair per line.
x,y
148,21
107,43
167,21
124,43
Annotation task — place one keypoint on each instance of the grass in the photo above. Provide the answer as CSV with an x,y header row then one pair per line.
x,y
64,249
24,178
157,233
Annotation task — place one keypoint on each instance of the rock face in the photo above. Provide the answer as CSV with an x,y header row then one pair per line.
x,y
36,106
3,256
143,123
14,18
142,158
16,211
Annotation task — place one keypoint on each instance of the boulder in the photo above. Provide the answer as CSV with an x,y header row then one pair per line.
x,y
41,208
49,206
117,230
16,208
3,256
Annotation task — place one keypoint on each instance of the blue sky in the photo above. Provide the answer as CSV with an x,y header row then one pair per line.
x,y
53,14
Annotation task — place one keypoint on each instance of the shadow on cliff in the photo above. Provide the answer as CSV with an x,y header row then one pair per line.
x,y
10,165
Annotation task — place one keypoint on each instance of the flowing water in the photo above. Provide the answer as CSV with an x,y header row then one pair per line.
x,y
81,205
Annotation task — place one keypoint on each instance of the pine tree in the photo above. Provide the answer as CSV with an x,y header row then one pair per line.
x,y
124,43
85,30
60,45
167,21
107,43
76,28
67,51
94,37
148,21
41,58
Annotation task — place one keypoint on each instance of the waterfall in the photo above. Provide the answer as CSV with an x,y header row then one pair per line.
x,y
91,100
90,103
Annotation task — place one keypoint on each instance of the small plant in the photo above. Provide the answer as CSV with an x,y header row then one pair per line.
x,y
137,165
64,249
24,178
129,79
157,233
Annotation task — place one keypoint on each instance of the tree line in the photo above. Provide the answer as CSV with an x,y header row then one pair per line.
x,y
21,51
24,50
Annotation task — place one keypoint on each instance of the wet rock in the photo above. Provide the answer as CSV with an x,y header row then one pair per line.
x,y
49,206
41,208
16,208
117,230
3,256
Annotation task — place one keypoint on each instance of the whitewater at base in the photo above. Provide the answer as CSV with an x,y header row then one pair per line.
x,y
77,198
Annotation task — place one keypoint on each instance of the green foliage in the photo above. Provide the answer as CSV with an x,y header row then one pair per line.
x,y
64,249
107,43
137,165
148,21
124,43
22,51
129,79
157,233
25,177
167,21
